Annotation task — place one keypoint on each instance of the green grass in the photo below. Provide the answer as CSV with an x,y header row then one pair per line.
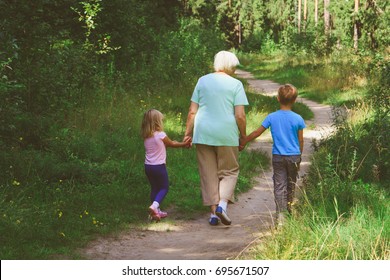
x,y
336,80
310,236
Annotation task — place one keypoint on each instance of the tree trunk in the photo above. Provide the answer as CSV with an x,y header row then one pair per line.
x,y
356,26
373,6
299,15
304,15
239,33
316,12
326,17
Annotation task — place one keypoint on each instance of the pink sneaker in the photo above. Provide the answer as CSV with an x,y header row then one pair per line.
x,y
154,214
162,214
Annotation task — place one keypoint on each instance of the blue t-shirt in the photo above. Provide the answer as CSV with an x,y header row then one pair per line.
x,y
284,129
215,123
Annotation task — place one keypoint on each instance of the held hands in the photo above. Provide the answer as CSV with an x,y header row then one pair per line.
x,y
188,141
243,141
248,138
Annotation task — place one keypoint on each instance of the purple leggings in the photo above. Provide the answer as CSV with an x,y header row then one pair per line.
x,y
158,179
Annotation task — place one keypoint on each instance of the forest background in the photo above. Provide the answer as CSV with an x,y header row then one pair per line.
x,y
76,77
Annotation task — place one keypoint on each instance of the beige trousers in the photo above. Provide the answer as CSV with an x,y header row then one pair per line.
x,y
218,170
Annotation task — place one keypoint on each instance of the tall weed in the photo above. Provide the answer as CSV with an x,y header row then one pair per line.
x,y
310,236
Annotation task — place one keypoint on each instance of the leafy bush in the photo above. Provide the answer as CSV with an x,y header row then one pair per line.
x,y
366,122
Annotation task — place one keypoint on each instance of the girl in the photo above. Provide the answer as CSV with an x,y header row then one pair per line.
x,y
156,141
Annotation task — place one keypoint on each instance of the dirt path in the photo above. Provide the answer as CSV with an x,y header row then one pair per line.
x,y
252,214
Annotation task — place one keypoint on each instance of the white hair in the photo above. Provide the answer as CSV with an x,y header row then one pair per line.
x,y
225,61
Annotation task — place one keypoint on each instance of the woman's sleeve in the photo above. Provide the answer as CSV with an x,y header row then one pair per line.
x,y
240,96
195,94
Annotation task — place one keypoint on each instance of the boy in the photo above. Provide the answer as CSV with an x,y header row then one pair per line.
x,y
287,134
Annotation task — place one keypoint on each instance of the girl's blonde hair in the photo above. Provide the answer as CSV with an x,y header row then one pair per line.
x,y
152,122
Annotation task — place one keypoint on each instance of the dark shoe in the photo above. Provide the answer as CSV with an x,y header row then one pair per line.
x,y
213,221
223,216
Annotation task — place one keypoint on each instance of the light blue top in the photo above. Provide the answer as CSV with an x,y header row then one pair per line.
x,y
215,123
284,129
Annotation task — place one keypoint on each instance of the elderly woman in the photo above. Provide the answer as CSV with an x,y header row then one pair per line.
x,y
216,120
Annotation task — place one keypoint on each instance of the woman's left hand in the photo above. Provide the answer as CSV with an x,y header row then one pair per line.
x,y
188,141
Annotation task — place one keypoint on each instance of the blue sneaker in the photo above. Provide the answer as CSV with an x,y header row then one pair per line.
x,y
223,216
213,221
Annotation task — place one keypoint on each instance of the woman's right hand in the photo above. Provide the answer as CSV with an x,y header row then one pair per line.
x,y
242,143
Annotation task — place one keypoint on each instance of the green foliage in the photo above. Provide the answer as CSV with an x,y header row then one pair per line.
x,y
380,75
88,15
375,20
332,178
186,53
371,161
366,122
246,24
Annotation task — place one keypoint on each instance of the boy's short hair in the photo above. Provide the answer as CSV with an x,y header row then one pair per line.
x,y
225,61
287,94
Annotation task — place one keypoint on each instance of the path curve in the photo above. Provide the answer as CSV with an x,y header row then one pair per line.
x,y
252,214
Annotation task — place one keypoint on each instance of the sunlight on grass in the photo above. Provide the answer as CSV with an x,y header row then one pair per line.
x,y
353,238
319,79
254,120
